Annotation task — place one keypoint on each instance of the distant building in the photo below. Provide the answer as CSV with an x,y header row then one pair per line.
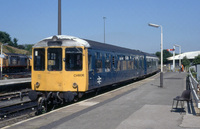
x,y
189,55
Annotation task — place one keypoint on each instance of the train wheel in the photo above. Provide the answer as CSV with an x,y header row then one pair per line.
x,y
76,99
42,106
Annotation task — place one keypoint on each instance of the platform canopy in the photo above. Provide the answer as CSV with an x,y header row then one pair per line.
x,y
189,55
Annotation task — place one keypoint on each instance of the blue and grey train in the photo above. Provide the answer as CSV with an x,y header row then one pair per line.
x,y
64,67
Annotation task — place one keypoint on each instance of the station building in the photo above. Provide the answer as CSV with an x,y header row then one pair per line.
x,y
189,55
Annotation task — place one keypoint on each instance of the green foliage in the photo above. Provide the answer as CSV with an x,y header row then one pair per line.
x,y
5,37
158,55
166,54
196,60
28,48
194,74
10,49
185,62
15,42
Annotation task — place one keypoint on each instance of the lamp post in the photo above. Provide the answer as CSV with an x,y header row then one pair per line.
x,y
161,51
104,18
174,58
59,17
2,58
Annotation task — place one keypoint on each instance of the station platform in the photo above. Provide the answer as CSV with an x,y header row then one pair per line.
x,y
14,81
14,84
140,105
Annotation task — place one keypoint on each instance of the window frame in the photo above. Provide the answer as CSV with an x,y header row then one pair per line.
x,y
43,60
53,57
79,51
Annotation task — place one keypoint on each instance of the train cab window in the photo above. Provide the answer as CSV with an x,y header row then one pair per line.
x,y
39,59
73,59
54,59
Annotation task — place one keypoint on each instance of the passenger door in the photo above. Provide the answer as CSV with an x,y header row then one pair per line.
x,y
114,67
91,70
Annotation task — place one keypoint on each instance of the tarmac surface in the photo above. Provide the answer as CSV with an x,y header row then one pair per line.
x,y
140,105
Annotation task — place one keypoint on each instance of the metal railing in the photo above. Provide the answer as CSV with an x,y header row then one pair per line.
x,y
194,86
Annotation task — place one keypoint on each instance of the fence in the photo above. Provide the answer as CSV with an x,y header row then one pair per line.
x,y
194,86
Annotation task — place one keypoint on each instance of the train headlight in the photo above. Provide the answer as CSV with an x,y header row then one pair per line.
x,y
37,84
75,86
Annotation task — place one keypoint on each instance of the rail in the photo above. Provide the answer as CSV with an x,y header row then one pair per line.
x,y
194,86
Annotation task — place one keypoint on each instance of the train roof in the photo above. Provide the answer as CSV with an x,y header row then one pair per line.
x,y
14,54
108,47
151,56
64,40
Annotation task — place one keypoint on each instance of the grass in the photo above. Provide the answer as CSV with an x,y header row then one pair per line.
x,y
10,49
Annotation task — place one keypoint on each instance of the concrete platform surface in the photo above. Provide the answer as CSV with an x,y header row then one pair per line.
x,y
140,105
14,81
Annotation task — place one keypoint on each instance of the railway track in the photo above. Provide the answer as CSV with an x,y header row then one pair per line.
x,y
14,95
16,112
16,109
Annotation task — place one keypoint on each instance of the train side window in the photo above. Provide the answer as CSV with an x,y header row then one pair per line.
x,y
98,65
90,62
113,61
148,63
39,59
73,58
132,64
124,65
54,59
143,62
118,65
107,63
136,63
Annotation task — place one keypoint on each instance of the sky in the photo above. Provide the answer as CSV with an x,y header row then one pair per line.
x,y
126,22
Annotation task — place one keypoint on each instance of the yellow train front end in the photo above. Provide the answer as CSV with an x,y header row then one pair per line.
x,y
59,69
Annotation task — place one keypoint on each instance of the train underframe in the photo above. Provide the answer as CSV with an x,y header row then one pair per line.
x,y
49,100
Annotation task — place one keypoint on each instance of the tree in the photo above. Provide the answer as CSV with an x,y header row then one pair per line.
x,y
21,47
29,48
166,54
15,42
185,62
196,60
5,37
